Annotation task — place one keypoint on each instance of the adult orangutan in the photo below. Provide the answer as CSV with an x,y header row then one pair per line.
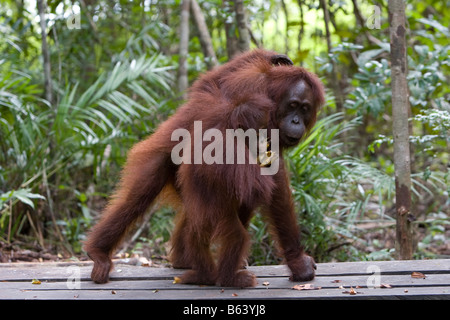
x,y
215,200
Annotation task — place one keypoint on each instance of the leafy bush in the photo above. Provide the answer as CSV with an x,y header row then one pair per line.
x,y
58,146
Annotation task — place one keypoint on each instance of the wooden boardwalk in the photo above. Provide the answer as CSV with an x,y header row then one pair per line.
x,y
424,279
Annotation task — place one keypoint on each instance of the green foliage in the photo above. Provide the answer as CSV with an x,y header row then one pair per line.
x,y
7,201
22,195
372,94
333,190
75,139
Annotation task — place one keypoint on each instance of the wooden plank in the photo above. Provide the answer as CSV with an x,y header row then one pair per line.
x,y
387,267
132,282
23,271
328,282
231,294
365,267
58,273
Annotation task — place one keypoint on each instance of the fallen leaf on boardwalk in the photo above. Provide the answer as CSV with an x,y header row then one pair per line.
x,y
336,281
385,285
266,283
155,291
234,294
352,292
176,280
308,286
113,292
418,275
35,281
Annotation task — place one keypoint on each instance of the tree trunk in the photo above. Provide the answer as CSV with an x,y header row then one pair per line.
x,y
286,37
205,37
183,82
339,100
241,19
45,53
302,29
400,112
360,20
230,30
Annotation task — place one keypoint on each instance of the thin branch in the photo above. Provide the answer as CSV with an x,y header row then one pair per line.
x,y
183,82
336,88
205,37
45,53
241,19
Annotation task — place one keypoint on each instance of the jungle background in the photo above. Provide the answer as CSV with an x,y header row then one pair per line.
x,y
82,81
